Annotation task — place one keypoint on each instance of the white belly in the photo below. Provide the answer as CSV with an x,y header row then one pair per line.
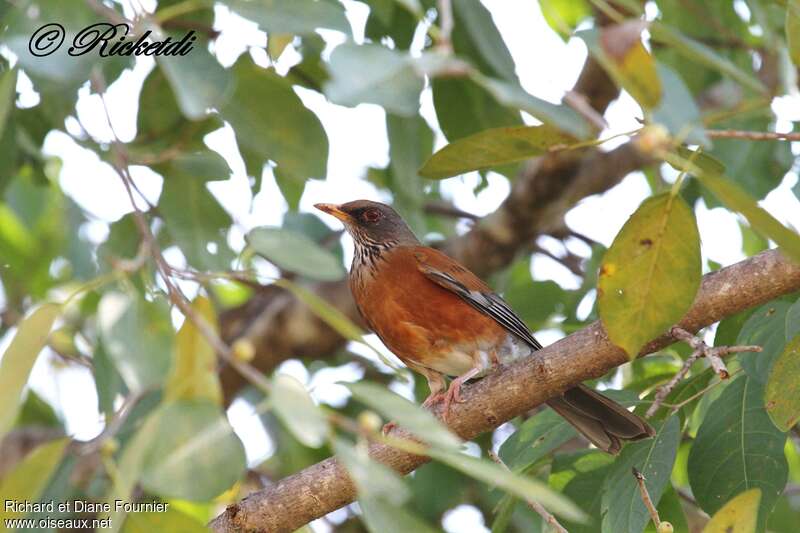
x,y
460,361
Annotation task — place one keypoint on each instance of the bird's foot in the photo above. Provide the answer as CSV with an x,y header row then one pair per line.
x,y
453,395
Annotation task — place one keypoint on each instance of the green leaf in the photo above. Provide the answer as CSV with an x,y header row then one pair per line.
x,y
373,74
410,144
196,455
511,94
670,510
202,165
737,448
195,220
107,379
494,147
169,520
563,16
294,252
516,484
298,412
388,18
704,55
271,123
620,51
758,167
580,477
381,516
407,414
129,466
194,369
199,82
8,96
477,38
622,506
19,357
793,30
142,360
650,275
372,479
678,111
766,327
298,17
28,479
535,438
292,187
58,67
739,515
162,127
782,396
35,411
534,301
465,108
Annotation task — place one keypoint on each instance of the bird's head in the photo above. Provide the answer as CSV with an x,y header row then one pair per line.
x,y
371,223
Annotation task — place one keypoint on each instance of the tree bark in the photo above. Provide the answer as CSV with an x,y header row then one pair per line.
x,y
509,392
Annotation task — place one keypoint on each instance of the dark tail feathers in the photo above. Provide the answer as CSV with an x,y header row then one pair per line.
x,y
601,420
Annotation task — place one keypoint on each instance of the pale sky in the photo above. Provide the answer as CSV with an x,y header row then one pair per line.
x,y
547,67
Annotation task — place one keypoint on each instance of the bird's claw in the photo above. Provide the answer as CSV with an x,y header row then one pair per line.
x,y
433,400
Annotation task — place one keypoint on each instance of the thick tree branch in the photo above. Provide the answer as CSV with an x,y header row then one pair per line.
x,y
508,392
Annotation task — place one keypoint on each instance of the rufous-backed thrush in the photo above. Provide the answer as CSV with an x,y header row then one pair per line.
x,y
441,320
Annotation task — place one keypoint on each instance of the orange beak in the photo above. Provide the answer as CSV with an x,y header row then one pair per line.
x,y
333,209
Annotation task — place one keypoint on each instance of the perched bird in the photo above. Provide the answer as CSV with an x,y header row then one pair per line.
x,y
441,320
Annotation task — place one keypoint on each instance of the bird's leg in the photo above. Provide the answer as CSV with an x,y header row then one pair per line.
x,y
454,392
436,385
494,358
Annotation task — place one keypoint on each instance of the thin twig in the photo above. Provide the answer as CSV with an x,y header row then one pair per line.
x,y
112,426
674,407
445,209
534,505
701,349
445,8
753,135
119,162
571,261
646,497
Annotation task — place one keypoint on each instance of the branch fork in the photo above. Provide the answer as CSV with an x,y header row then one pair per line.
x,y
714,354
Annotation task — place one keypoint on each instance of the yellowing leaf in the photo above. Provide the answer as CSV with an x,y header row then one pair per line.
x,y
29,478
19,357
782,395
620,51
650,275
295,408
491,148
194,370
739,515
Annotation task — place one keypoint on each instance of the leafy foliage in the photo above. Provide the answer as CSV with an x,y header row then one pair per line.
x,y
140,302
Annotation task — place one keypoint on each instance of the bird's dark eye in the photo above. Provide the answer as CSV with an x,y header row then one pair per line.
x,y
371,215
